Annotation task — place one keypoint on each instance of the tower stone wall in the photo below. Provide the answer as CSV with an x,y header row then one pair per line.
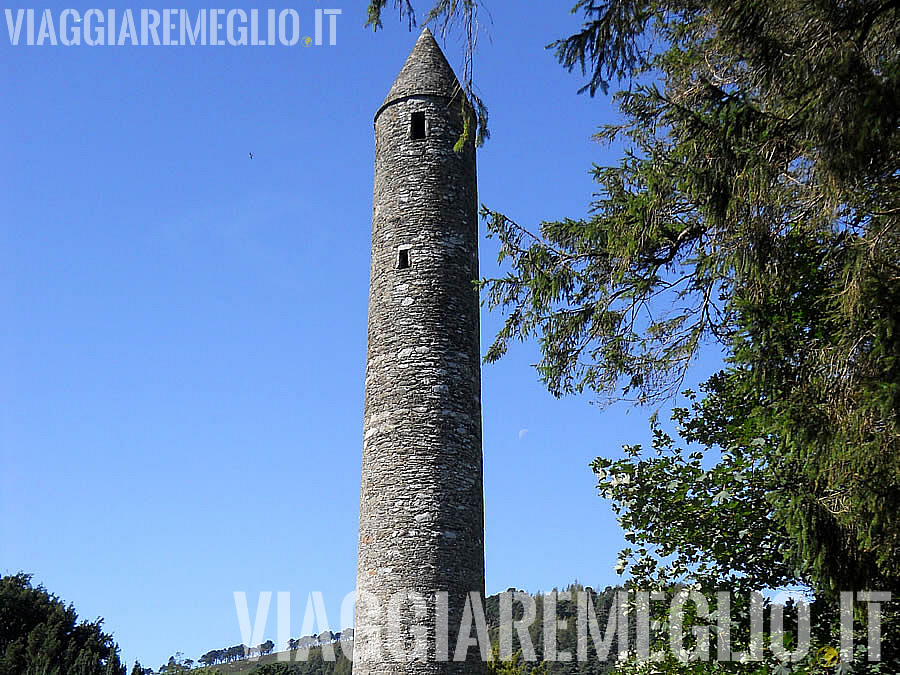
x,y
421,525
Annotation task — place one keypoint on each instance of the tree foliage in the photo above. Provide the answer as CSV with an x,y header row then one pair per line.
x,y
748,127
41,635
687,519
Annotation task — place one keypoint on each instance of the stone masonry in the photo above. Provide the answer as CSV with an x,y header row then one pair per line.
x,y
421,522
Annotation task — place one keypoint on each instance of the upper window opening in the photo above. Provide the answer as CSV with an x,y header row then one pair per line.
x,y
403,259
418,125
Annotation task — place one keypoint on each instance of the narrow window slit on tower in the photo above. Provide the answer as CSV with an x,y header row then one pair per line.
x,y
403,259
418,125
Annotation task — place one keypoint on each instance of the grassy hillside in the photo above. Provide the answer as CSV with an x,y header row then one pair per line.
x,y
247,666
270,665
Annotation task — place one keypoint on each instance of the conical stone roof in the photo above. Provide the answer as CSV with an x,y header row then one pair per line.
x,y
426,73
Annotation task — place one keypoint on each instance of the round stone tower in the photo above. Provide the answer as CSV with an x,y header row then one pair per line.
x,y
421,522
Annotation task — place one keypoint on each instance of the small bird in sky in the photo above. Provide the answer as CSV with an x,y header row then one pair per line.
x,y
251,155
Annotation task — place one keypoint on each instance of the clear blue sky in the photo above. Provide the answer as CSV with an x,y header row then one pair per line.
x,y
183,342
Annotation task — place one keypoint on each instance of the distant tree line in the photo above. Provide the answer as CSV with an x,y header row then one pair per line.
x,y
325,637
226,655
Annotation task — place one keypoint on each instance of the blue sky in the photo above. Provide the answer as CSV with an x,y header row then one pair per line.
x,y
182,357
